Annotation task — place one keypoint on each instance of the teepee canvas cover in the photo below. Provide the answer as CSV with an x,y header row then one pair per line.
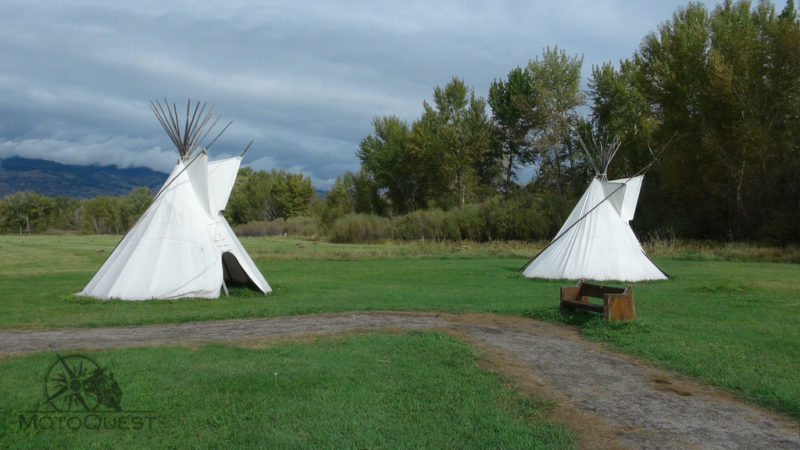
x,y
596,242
181,246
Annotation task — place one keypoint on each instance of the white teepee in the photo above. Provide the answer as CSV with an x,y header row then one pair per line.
x,y
181,246
596,242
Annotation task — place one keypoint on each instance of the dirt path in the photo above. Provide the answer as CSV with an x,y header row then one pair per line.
x,y
610,400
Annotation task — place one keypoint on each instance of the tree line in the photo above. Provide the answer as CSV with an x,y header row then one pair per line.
x,y
713,95
718,91
257,195
30,212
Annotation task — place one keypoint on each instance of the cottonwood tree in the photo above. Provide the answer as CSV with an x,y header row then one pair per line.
x,y
556,80
727,83
26,212
436,162
394,165
619,109
103,215
454,132
261,195
352,192
513,104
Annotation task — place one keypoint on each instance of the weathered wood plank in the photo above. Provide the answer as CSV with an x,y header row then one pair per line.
x,y
572,304
597,291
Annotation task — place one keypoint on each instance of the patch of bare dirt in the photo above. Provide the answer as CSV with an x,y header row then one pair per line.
x,y
609,400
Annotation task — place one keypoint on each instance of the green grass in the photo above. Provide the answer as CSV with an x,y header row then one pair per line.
x,y
42,254
365,391
299,287
732,324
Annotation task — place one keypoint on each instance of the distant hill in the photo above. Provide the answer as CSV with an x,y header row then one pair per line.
x,y
51,178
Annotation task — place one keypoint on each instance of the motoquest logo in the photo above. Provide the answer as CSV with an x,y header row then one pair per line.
x,y
80,394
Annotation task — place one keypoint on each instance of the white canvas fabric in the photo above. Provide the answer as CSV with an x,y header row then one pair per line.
x,y
596,242
222,175
624,194
181,246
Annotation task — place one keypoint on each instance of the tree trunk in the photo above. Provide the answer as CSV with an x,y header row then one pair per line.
x,y
738,206
509,167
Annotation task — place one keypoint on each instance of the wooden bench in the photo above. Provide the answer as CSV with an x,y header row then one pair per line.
x,y
617,302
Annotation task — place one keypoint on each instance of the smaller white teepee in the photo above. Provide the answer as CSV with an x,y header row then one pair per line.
x,y
596,242
181,246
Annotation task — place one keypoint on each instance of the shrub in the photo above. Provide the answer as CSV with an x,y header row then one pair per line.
x,y
276,227
469,221
304,226
251,229
356,228
432,224
523,217
261,228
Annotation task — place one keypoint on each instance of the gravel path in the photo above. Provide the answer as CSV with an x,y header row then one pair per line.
x,y
610,400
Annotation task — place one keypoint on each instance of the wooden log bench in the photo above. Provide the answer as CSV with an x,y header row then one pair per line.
x,y
617,302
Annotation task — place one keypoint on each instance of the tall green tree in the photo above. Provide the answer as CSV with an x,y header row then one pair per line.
x,y
455,133
26,212
394,165
264,196
350,193
727,83
66,214
134,205
513,104
619,109
556,81
293,193
103,215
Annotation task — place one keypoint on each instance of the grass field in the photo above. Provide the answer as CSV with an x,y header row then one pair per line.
x,y
733,324
359,391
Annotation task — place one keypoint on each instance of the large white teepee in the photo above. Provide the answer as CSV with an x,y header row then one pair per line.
x,y
596,242
181,246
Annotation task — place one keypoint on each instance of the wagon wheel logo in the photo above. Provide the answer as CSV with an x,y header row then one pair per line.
x,y
77,383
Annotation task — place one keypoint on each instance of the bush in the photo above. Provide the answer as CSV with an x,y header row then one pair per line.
x,y
261,228
304,226
470,222
250,229
357,228
296,226
432,224
276,227
524,217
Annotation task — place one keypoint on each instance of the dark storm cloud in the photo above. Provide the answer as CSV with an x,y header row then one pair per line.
x,y
304,79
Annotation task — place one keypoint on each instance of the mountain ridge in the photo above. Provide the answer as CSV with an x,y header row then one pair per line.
x,y
78,181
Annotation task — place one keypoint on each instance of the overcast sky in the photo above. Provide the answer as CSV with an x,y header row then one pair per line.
x,y
302,78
